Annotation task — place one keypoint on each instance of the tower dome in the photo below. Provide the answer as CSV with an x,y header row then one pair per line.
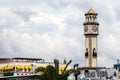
x,y
91,11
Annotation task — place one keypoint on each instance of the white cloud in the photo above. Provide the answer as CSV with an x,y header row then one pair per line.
x,y
105,61
17,44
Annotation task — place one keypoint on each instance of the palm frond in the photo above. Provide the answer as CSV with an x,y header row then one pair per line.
x,y
67,65
50,72
40,70
56,63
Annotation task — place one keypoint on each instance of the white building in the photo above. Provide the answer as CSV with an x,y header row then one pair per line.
x,y
23,66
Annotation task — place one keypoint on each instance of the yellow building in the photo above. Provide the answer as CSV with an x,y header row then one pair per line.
x,y
23,66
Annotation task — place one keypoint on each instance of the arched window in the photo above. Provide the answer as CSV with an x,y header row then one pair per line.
x,y
86,53
94,52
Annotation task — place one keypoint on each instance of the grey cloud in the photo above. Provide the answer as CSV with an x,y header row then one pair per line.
x,y
57,4
25,3
116,10
3,51
24,13
18,3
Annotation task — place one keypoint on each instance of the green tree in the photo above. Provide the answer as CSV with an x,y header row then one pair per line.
x,y
52,72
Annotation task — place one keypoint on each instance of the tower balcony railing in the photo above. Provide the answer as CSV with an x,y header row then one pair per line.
x,y
92,23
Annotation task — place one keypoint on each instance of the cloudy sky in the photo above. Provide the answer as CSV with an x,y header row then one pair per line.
x,y
51,29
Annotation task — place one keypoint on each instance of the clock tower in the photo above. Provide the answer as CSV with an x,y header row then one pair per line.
x,y
91,31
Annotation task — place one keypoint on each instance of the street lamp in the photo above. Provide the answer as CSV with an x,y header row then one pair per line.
x,y
76,66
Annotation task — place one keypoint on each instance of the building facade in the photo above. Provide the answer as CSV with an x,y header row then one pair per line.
x,y
23,66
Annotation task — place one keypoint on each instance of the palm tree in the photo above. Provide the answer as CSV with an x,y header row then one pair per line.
x,y
52,72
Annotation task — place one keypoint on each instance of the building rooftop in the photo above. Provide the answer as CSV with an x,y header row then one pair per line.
x,y
2,60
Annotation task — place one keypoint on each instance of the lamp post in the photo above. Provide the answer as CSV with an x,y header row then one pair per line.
x,y
77,72
76,66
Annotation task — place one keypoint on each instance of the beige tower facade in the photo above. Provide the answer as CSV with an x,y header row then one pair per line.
x,y
91,31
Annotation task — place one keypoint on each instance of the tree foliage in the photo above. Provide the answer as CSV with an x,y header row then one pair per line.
x,y
52,72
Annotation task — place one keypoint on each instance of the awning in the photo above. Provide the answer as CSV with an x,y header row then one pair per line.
x,y
9,67
62,68
1,68
28,67
19,66
24,67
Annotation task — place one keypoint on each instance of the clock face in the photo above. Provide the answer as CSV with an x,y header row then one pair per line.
x,y
95,28
85,28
